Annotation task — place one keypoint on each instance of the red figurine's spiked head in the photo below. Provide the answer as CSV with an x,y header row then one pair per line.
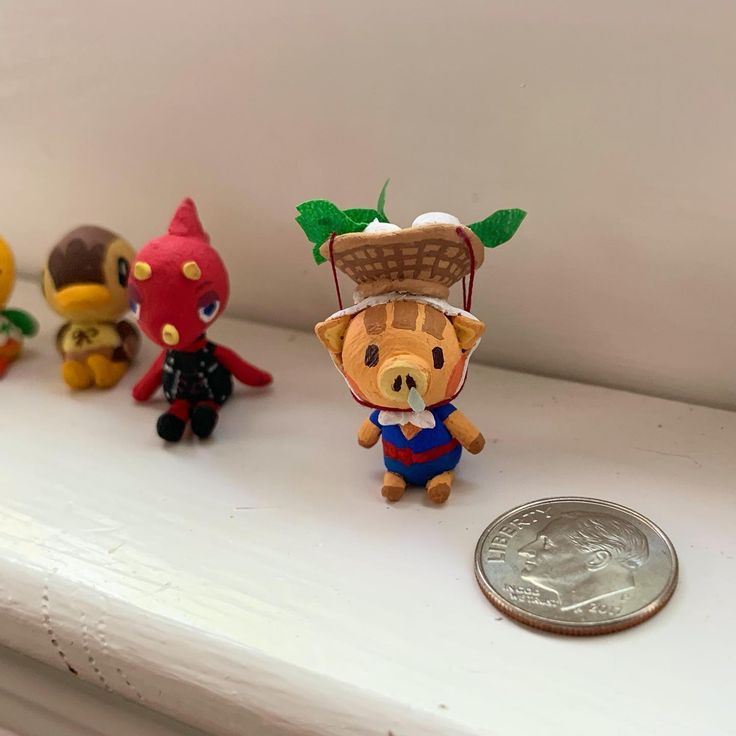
x,y
179,284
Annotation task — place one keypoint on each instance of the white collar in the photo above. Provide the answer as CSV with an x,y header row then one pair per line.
x,y
398,296
422,419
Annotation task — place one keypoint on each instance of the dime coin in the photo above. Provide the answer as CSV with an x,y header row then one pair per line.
x,y
576,566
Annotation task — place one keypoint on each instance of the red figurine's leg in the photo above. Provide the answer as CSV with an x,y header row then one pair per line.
x,y
204,418
171,425
3,367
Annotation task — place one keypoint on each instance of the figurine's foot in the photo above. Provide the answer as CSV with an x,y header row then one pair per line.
x,y
439,487
105,371
76,375
393,486
203,421
170,428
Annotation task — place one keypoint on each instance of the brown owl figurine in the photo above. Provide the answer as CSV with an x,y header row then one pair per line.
x,y
85,281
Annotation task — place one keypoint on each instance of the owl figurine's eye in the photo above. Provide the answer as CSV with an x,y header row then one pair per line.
x,y
123,271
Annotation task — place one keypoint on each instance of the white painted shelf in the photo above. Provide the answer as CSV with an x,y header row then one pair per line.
x,y
258,585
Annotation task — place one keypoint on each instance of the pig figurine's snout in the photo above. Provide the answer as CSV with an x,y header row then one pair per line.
x,y
399,375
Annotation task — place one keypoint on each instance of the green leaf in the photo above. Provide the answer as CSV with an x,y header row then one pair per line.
x,y
363,216
382,202
320,218
318,257
22,320
498,227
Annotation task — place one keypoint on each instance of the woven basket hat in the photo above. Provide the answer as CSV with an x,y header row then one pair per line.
x,y
426,258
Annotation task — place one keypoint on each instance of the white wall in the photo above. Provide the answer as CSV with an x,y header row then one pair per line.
x,y
611,123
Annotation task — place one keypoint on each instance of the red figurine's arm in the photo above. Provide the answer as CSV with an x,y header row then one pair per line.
x,y
243,371
145,388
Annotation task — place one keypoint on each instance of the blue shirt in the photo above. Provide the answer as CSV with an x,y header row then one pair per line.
x,y
428,453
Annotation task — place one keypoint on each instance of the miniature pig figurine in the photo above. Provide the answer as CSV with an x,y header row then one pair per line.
x,y
402,347
409,357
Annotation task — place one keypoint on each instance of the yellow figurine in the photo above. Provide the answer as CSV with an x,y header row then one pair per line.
x,y
15,324
85,281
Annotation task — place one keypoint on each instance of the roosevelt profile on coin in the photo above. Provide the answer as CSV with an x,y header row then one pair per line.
x,y
570,554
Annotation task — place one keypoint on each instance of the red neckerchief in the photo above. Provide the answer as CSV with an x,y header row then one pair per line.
x,y
367,404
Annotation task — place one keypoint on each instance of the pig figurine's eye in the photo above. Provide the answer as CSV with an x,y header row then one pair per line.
x,y
371,356
438,357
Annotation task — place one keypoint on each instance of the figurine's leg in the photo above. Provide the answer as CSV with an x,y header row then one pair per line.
x,y
393,486
171,425
76,375
106,372
204,418
439,487
8,354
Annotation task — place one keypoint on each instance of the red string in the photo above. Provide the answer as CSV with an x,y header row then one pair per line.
x,y
334,270
468,297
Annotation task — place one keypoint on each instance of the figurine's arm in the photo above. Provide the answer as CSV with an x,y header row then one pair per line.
x,y
465,432
242,370
60,335
131,340
22,320
368,434
145,388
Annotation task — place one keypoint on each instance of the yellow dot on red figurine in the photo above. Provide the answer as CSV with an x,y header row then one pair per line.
x,y
169,334
142,271
191,270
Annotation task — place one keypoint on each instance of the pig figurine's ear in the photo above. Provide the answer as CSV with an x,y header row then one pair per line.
x,y
332,333
468,331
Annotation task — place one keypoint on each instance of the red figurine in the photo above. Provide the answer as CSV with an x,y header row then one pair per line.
x,y
179,286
